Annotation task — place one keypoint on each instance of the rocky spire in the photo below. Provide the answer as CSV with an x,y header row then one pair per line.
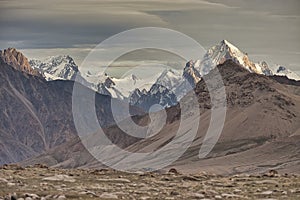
x,y
18,61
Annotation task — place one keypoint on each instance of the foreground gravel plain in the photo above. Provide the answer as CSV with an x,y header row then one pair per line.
x,y
41,182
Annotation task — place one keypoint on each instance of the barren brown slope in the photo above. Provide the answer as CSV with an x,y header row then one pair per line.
x,y
261,129
36,115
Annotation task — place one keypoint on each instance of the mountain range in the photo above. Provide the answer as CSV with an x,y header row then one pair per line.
x,y
161,87
261,129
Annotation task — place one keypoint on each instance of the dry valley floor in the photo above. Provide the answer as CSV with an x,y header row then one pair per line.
x,y
41,182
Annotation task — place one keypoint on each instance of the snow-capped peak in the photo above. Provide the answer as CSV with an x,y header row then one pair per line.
x,y
169,78
231,46
56,67
225,50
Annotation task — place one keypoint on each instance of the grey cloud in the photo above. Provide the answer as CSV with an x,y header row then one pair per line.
x,y
269,29
65,24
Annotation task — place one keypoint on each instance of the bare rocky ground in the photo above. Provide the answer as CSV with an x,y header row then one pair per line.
x,y
41,182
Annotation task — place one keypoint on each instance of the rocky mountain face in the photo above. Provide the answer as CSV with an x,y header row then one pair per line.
x,y
136,95
158,94
261,129
265,68
18,61
33,115
36,115
191,74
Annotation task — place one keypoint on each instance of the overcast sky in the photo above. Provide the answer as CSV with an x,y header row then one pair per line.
x,y
267,30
